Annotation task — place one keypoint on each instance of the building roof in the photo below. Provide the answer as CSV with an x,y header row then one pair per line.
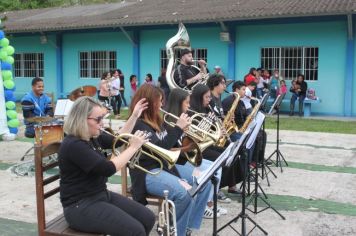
x,y
163,12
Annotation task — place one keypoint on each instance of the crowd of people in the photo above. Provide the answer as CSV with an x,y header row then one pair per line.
x,y
87,203
260,81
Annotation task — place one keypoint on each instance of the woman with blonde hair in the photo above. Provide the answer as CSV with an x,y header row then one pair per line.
x,y
88,205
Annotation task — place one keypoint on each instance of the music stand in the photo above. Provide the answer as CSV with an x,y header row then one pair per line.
x,y
260,117
264,101
247,142
209,174
276,105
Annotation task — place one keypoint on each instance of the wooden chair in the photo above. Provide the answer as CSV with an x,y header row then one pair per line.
x,y
126,191
57,226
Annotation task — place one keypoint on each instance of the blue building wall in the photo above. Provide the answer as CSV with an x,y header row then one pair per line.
x,y
329,37
354,70
32,44
75,43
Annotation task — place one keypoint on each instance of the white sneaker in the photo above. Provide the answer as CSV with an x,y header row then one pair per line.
x,y
222,211
209,213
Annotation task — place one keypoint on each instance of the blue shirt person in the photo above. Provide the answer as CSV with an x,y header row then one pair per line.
x,y
35,103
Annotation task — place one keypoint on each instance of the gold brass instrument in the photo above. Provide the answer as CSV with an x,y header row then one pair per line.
x,y
155,152
229,123
191,148
252,115
179,41
165,216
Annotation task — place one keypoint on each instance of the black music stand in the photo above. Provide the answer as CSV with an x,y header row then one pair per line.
x,y
255,195
248,140
276,105
209,174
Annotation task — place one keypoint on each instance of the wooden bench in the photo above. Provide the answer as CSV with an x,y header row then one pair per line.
x,y
57,226
126,191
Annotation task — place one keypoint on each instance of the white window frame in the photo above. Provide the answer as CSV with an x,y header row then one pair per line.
x,y
20,69
200,51
297,59
104,58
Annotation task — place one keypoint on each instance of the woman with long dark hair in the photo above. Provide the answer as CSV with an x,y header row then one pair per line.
x,y
176,180
199,102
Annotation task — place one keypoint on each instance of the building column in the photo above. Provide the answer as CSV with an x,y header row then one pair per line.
x,y
59,66
231,54
136,54
350,54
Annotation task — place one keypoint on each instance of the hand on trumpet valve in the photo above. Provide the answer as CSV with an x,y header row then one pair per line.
x,y
138,139
140,107
202,62
184,121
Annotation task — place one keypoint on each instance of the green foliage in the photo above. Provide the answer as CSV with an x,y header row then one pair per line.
x,y
12,5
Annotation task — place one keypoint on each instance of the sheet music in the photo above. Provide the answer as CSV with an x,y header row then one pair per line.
x,y
63,107
236,147
260,117
217,164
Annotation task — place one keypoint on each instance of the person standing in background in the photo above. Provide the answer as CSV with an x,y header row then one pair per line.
x,y
115,87
133,85
122,87
149,79
162,83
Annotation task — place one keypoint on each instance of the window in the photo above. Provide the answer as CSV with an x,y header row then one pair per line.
x,y
94,64
29,65
198,54
291,61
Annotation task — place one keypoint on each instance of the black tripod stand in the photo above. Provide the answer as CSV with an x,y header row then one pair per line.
x,y
279,156
243,215
255,195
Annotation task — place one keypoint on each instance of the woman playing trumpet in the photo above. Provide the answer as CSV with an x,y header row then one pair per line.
x,y
178,180
87,204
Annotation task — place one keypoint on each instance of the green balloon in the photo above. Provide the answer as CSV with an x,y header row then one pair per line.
x,y
3,54
13,123
10,105
4,42
12,114
9,59
9,84
6,74
10,50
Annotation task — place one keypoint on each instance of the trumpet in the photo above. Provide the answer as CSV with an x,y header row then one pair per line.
x,y
167,214
190,148
155,152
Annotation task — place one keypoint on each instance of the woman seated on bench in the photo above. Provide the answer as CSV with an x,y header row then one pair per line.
x,y
88,205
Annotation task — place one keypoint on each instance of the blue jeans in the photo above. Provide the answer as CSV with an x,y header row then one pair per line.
x,y
189,211
259,92
189,168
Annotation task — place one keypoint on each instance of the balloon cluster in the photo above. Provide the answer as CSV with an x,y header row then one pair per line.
x,y
6,61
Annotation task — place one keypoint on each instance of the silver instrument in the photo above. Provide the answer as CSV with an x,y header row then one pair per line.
x,y
167,222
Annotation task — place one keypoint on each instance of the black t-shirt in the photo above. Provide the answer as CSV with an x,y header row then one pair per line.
x,y
163,82
165,139
215,104
183,73
83,168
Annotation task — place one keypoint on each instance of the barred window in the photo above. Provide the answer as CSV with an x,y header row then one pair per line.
x,y
291,61
29,65
94,63
198,54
